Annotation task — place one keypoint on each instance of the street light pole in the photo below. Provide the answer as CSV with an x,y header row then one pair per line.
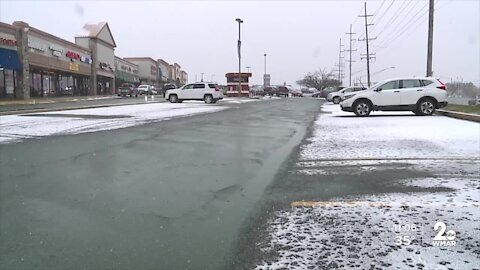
x,y
239,44
264,69
248,69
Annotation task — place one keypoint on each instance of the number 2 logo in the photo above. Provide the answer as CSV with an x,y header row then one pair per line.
x,y
441,227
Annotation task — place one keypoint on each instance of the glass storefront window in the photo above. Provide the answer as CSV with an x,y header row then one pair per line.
x,y
2,83
9,81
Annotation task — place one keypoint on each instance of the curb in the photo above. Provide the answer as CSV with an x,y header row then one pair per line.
x,y
34,101
460,115
19,112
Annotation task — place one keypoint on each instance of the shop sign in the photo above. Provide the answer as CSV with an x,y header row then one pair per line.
x,y
129,69
8,42
36,45
56,51
73,55
103,65
86,60
74,67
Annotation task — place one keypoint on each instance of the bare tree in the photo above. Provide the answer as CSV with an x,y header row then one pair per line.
x,y
319,80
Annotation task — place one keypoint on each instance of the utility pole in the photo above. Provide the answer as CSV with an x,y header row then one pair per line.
x,y
340,62
430,38
239,45
366,39
350,59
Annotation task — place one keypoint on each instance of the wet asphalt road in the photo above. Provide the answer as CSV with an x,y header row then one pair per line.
x,y
177,194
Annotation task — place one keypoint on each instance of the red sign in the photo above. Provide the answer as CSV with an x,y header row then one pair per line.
x,y
73,55
8,42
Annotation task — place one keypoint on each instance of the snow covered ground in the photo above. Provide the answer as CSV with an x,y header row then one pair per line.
x,y
359,232
14,128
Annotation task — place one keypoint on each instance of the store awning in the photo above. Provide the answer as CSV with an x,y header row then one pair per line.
x,y
9,59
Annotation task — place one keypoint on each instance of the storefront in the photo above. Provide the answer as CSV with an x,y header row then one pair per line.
x,y
125,72
10,63
57,67
98,38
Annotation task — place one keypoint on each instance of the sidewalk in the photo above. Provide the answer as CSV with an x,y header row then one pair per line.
x,y
8,107
33,101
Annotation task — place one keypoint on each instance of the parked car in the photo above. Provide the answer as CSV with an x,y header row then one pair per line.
x,y
420,95
143,89
257,91
153,90
324,92
474,102
270,90
282,91
336,97
208,92
127,89
296,93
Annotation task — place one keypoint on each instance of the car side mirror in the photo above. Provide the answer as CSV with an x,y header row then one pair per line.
x,y
378,90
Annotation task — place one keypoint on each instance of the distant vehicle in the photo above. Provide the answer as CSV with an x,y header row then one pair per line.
x,y
474,102
127,89
421,95
169,86
324,92
144,89
296,93
257,91
208,92
270,90
282,91
336,97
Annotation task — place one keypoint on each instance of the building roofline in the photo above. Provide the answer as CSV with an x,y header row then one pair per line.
x,y
140,58
38,31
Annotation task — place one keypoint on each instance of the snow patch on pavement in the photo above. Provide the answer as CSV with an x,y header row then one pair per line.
x,y
14,128
358,232
387,134
362,236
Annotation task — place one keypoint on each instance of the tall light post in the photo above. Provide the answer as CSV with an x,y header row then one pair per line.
x,y
265,64
248,68
239,45
265,70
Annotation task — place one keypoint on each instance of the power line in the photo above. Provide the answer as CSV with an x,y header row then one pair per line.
x,y
395,17
377,22
401,23
419,15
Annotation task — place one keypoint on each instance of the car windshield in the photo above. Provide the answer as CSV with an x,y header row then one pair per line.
x,y
235,135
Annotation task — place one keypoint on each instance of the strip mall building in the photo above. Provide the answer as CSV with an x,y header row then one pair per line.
x,y
34,63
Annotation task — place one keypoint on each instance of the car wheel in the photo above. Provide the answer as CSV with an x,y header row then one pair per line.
x,y
208,99
425,106
362,108
336,100
173,98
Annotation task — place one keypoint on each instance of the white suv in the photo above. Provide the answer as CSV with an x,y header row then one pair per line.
x,y
419,95
208,92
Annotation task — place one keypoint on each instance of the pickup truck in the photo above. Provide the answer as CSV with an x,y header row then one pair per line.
x,y
127,89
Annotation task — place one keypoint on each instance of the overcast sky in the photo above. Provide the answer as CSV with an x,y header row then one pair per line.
x,y
298,36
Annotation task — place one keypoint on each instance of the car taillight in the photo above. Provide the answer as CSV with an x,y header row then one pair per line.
x,y
217,89
442,86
